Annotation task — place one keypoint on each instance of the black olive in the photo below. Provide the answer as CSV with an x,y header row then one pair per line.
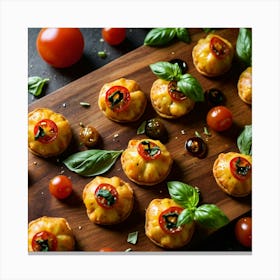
x,y
89,136
196,147
155,129
181,63
215,96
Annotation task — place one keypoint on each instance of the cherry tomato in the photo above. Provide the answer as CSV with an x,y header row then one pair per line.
x,y
168,220
45,131
240,168
148,150
219,118
174,93
44,241
114,36
106,249
243,231
219,48
117,98
60,47
106,195
60,186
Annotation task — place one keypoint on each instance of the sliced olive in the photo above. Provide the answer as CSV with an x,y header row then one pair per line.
x,y
89,136
196,147
155,129
215,96
181,63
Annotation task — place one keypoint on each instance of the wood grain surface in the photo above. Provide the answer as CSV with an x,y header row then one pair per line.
x,y
115,136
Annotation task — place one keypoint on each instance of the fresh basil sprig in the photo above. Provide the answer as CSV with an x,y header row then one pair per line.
x,y
244,46
162,36
92,162
186,83
35,85
244,141
208,215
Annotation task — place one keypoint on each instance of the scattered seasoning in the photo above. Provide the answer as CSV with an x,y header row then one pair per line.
x,y
197,134
85,104
132,237
102,54
35,163
81,124
206,131
116,135
128,250
64,105
80,227
183,131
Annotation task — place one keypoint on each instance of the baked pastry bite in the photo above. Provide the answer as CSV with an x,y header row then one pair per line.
x,y
108,200
50,234
167,101
244,86
212,56
146,161
161,224
233,173
122,100
49,133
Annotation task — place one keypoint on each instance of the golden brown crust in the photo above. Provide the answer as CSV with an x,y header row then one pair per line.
x,y
55,225
204,60
164,105
119,211
144,172
244,86
137,104
224,178
62,141
154,231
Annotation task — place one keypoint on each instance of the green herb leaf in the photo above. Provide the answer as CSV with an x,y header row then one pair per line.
x,y
142,128
190,86
35,85
244,141
159,36
208,30
166,70
183,194
211,216
85,104
244,46
183,35
132,237
185,217
92,162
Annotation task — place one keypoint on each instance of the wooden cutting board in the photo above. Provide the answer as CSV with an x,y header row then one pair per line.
x,y
115,136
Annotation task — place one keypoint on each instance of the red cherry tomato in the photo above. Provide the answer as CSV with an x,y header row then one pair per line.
x,y
106,249
60,186
219,118
45,131
148,150
117,98
106,195
168,220
60,47
243,231
114,36
240,168
44,241
174,93
219,48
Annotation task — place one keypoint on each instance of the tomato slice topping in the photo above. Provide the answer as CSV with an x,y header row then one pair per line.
x,y
219,48
117,98
45,131
174,93
168,220
240,168
148,150
106,195
44,241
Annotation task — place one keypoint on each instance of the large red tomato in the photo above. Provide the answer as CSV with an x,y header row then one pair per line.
x,y
60,47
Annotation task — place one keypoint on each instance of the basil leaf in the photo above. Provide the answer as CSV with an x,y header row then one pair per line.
x,y
142,128
208,30
190,86
185,217
183,35
159,36
244,141
244,46
183,194
35,85
91,162
132,237
166,70
211,216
